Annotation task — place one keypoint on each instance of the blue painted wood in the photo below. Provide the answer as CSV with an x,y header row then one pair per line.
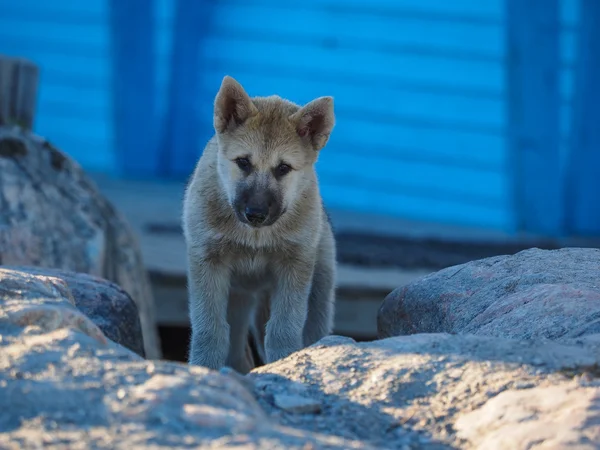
x,y
533,114
135,120
71,46
583,165
57,11
343,195
181,137
419,87
290,22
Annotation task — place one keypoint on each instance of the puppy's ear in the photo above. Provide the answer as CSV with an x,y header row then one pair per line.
x,y
232,105
314,122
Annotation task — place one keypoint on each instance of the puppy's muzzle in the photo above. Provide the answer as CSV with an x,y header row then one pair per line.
x,y
256,216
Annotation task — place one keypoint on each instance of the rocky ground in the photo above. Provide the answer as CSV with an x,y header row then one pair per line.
x,y
65,385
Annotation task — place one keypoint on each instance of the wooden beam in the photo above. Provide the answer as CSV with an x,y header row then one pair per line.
x,y
134,86
183,137
583,160
533,28
19,79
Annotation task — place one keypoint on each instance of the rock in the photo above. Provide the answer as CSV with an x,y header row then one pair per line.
x,y
108,306
530,419
419,390
52,215
546,294
64,385
297,404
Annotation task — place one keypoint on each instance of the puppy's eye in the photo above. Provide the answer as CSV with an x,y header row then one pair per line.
x,y
243,164
282,169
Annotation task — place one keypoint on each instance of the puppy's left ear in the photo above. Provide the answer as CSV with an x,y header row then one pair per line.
x,y
232,106
314,122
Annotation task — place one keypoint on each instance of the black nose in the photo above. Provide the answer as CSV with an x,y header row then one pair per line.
x,y
255,216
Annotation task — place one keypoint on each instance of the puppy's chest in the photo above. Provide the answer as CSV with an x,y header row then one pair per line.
x,y
252,272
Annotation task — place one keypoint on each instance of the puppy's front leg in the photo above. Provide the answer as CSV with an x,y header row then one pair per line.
x,y
289,307
208,286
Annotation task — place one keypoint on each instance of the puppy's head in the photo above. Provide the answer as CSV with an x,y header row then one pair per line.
x,y
267,150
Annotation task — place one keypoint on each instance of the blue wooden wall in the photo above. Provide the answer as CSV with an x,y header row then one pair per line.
x,y
423,93
70,41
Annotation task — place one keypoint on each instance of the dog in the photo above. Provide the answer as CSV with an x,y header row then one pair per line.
x,y
261,252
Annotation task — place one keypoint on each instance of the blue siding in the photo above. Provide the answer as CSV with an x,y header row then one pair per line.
x,y
534,114
583,165
181,119
420,86
70,41
134,85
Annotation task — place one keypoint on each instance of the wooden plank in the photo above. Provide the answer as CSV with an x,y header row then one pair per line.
x,y
414,68
181,138
56,11
468,11
90,36
533,114
336,27
132,28
411,205
583,166
19,79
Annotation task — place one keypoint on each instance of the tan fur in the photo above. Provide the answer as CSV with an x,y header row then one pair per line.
x,y
277,280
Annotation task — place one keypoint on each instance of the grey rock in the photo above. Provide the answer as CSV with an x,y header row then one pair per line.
x,y
414,390
64,385
545,294
109,307
297,404
563,416
52,215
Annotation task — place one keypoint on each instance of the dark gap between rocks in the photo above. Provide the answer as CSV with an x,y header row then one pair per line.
x,y
175,342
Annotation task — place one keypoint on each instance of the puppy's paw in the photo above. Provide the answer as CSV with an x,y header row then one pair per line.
x,y
209,352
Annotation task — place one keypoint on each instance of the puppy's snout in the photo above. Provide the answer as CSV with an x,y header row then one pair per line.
x,y
256,215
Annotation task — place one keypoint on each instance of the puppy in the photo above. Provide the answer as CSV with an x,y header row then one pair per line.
x,y
260,248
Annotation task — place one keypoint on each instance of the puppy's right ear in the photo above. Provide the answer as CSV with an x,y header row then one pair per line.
x,y
232,105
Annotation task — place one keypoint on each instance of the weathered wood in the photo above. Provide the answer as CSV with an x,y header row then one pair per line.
x,y
583,163
533,28
19,79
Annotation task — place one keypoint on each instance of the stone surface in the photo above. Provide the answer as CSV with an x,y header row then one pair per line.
x,y
434,391
63,385
52,215
546,294
297,403
564,416
109,307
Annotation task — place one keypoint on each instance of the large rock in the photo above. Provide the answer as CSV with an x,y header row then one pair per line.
x,y
109,307
546,294
435,391
64,385
52,215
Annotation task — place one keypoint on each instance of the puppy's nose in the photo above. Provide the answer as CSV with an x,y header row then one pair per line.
x,y
256,216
